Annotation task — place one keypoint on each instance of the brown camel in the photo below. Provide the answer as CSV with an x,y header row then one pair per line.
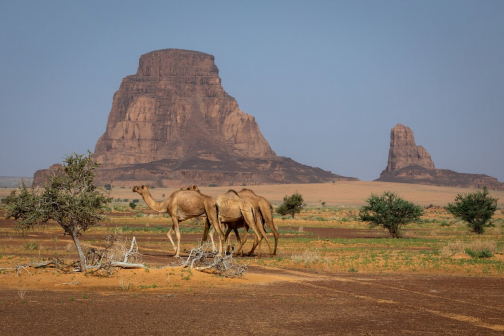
x,y
182,205
237,212
264,213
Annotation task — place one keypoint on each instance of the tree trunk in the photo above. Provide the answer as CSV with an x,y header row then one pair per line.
x,y
82,257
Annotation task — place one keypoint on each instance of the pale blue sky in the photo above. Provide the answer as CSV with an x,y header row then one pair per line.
x,y
326,80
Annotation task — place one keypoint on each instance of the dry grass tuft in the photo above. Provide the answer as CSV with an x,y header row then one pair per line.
x,y
478,246
496,231
408,234
21,293
307,257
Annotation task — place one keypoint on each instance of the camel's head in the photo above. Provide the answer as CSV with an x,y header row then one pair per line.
x,y
141,189
193,187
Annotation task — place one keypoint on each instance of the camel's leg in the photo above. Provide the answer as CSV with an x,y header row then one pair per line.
x,y
250,220
243,240
177,232
257,243
226,237
234,227
212,216
238,238
168,234
263,234
205,232
276,235
258,222
267,216
212,230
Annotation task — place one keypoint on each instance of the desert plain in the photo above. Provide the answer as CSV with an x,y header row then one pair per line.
x,y
332,274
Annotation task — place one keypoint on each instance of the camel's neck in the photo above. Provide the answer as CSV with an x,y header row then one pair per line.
x,y
156,206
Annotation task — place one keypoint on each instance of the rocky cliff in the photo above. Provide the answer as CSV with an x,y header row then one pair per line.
x,y
172,124
404,152
175,108
41,175
409,163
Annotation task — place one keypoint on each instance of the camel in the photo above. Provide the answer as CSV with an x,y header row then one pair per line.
x,y
237,212
182,205
264,213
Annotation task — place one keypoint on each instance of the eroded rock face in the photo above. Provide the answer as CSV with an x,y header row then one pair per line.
x,y
404,151
41,175
409,163
172,124
175,108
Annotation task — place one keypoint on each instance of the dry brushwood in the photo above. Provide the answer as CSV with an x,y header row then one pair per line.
x,y
116,254
206,259
56,263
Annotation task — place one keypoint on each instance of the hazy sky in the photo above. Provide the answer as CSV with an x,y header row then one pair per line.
x,y
326,80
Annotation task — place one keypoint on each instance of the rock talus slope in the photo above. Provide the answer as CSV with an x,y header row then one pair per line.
x,y
409,163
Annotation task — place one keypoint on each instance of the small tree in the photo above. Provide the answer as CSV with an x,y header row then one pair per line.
x,y
133,205
108,187
291,205
476,209
389,211
69,197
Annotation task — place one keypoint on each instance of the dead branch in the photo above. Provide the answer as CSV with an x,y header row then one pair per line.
x,y
205,259
115,255
130,251
22,267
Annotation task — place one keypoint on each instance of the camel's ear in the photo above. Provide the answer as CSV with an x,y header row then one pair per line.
x,y
147,187
195,187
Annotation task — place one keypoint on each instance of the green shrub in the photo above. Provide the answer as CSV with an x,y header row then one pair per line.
x,y
390,211
479,254
291,205
476,209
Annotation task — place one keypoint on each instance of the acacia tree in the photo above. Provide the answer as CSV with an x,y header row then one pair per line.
x,y
68,197
476,209
291,205
389,211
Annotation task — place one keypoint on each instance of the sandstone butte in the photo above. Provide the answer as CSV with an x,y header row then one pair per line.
x,y
172,124
409,163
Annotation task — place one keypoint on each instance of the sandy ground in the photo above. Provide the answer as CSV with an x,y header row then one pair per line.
x,y
336,194
267,301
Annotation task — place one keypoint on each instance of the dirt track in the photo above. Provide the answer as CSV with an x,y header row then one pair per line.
x,y
357,304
